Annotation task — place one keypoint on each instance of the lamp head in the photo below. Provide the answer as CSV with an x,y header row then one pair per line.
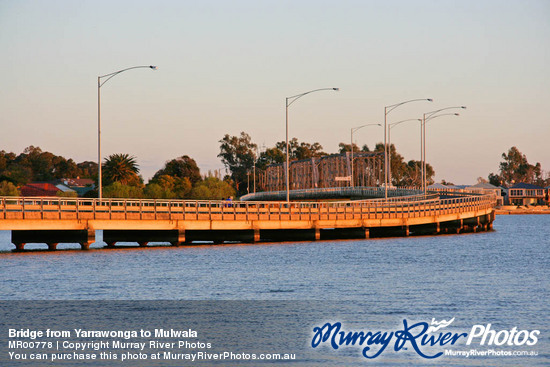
x,y
337,89
431,100
457,114
464,107
153,67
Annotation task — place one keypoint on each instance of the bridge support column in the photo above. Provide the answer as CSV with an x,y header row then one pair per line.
x,y
256,235
407,231
317,234
89,241
52,246
460,228
19,246
438,228
181,238
367,233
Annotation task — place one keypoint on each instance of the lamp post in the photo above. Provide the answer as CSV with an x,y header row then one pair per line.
x,y
389,140
387,110
354,129
426,117
99,85
289,101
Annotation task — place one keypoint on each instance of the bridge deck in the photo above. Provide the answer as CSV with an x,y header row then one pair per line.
x,y
40,214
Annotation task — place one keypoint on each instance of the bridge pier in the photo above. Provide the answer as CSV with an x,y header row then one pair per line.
x,y
317,235
256,235
180,238
52,246
367,232
91,239
19,246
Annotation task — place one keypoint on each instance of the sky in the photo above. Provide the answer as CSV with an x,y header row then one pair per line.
x,y
227,66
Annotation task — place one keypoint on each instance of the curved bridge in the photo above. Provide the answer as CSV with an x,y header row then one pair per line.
x,y
55,220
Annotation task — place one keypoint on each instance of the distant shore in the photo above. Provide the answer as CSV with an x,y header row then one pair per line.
x,y
511,210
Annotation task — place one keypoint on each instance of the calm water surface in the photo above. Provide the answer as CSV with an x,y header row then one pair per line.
x,y
500,277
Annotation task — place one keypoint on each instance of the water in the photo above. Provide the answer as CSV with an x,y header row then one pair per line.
x,y
498,277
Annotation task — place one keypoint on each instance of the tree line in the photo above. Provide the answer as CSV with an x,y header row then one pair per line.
x,y
180,178
239,155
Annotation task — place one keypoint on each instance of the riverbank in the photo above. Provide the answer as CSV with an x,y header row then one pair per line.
x,y
512,209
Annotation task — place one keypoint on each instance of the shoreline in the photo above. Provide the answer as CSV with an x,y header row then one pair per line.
x,y
515,211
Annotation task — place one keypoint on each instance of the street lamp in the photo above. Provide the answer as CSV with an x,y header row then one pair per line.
x,y
431,117
99,85
427,116
387,110
289,101
389,140
354,129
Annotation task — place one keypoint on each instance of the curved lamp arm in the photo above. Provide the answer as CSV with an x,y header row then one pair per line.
x,y
400,122
443,114
429,114
120,71
388,109
298,96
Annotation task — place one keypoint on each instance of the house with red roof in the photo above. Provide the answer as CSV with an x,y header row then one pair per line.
x,y
39,189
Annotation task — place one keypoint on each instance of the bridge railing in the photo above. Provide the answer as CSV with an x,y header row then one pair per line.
x,y
48,208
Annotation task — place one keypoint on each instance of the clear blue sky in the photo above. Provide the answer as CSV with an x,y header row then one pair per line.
x,y
227,66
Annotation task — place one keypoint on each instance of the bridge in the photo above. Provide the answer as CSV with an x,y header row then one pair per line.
x,y
406,212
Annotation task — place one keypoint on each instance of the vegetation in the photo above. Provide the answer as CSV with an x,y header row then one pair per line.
x,y
238,155
515,168
180,178
8,189
34,165
121,168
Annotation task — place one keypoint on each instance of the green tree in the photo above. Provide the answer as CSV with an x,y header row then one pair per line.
x,y
237,153
168,187
301,150
212,188
8,189
119,190
515,168
121,168
181,167
270,156
406,174
343,148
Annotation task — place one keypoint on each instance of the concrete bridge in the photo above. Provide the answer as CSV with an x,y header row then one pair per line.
x,y
70,220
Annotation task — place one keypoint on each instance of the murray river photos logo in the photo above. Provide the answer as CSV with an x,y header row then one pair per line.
x,y
426,339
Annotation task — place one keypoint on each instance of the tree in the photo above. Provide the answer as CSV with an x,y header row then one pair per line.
x,y
181,167
8,189
212,188
270,156
119,190
301,150
121,168
343,148
168,187
515,168
405,174
237,154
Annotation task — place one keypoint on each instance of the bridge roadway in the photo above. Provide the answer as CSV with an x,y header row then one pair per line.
x,y
70,220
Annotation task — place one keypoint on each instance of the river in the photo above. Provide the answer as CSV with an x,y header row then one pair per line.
x,y
499,277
